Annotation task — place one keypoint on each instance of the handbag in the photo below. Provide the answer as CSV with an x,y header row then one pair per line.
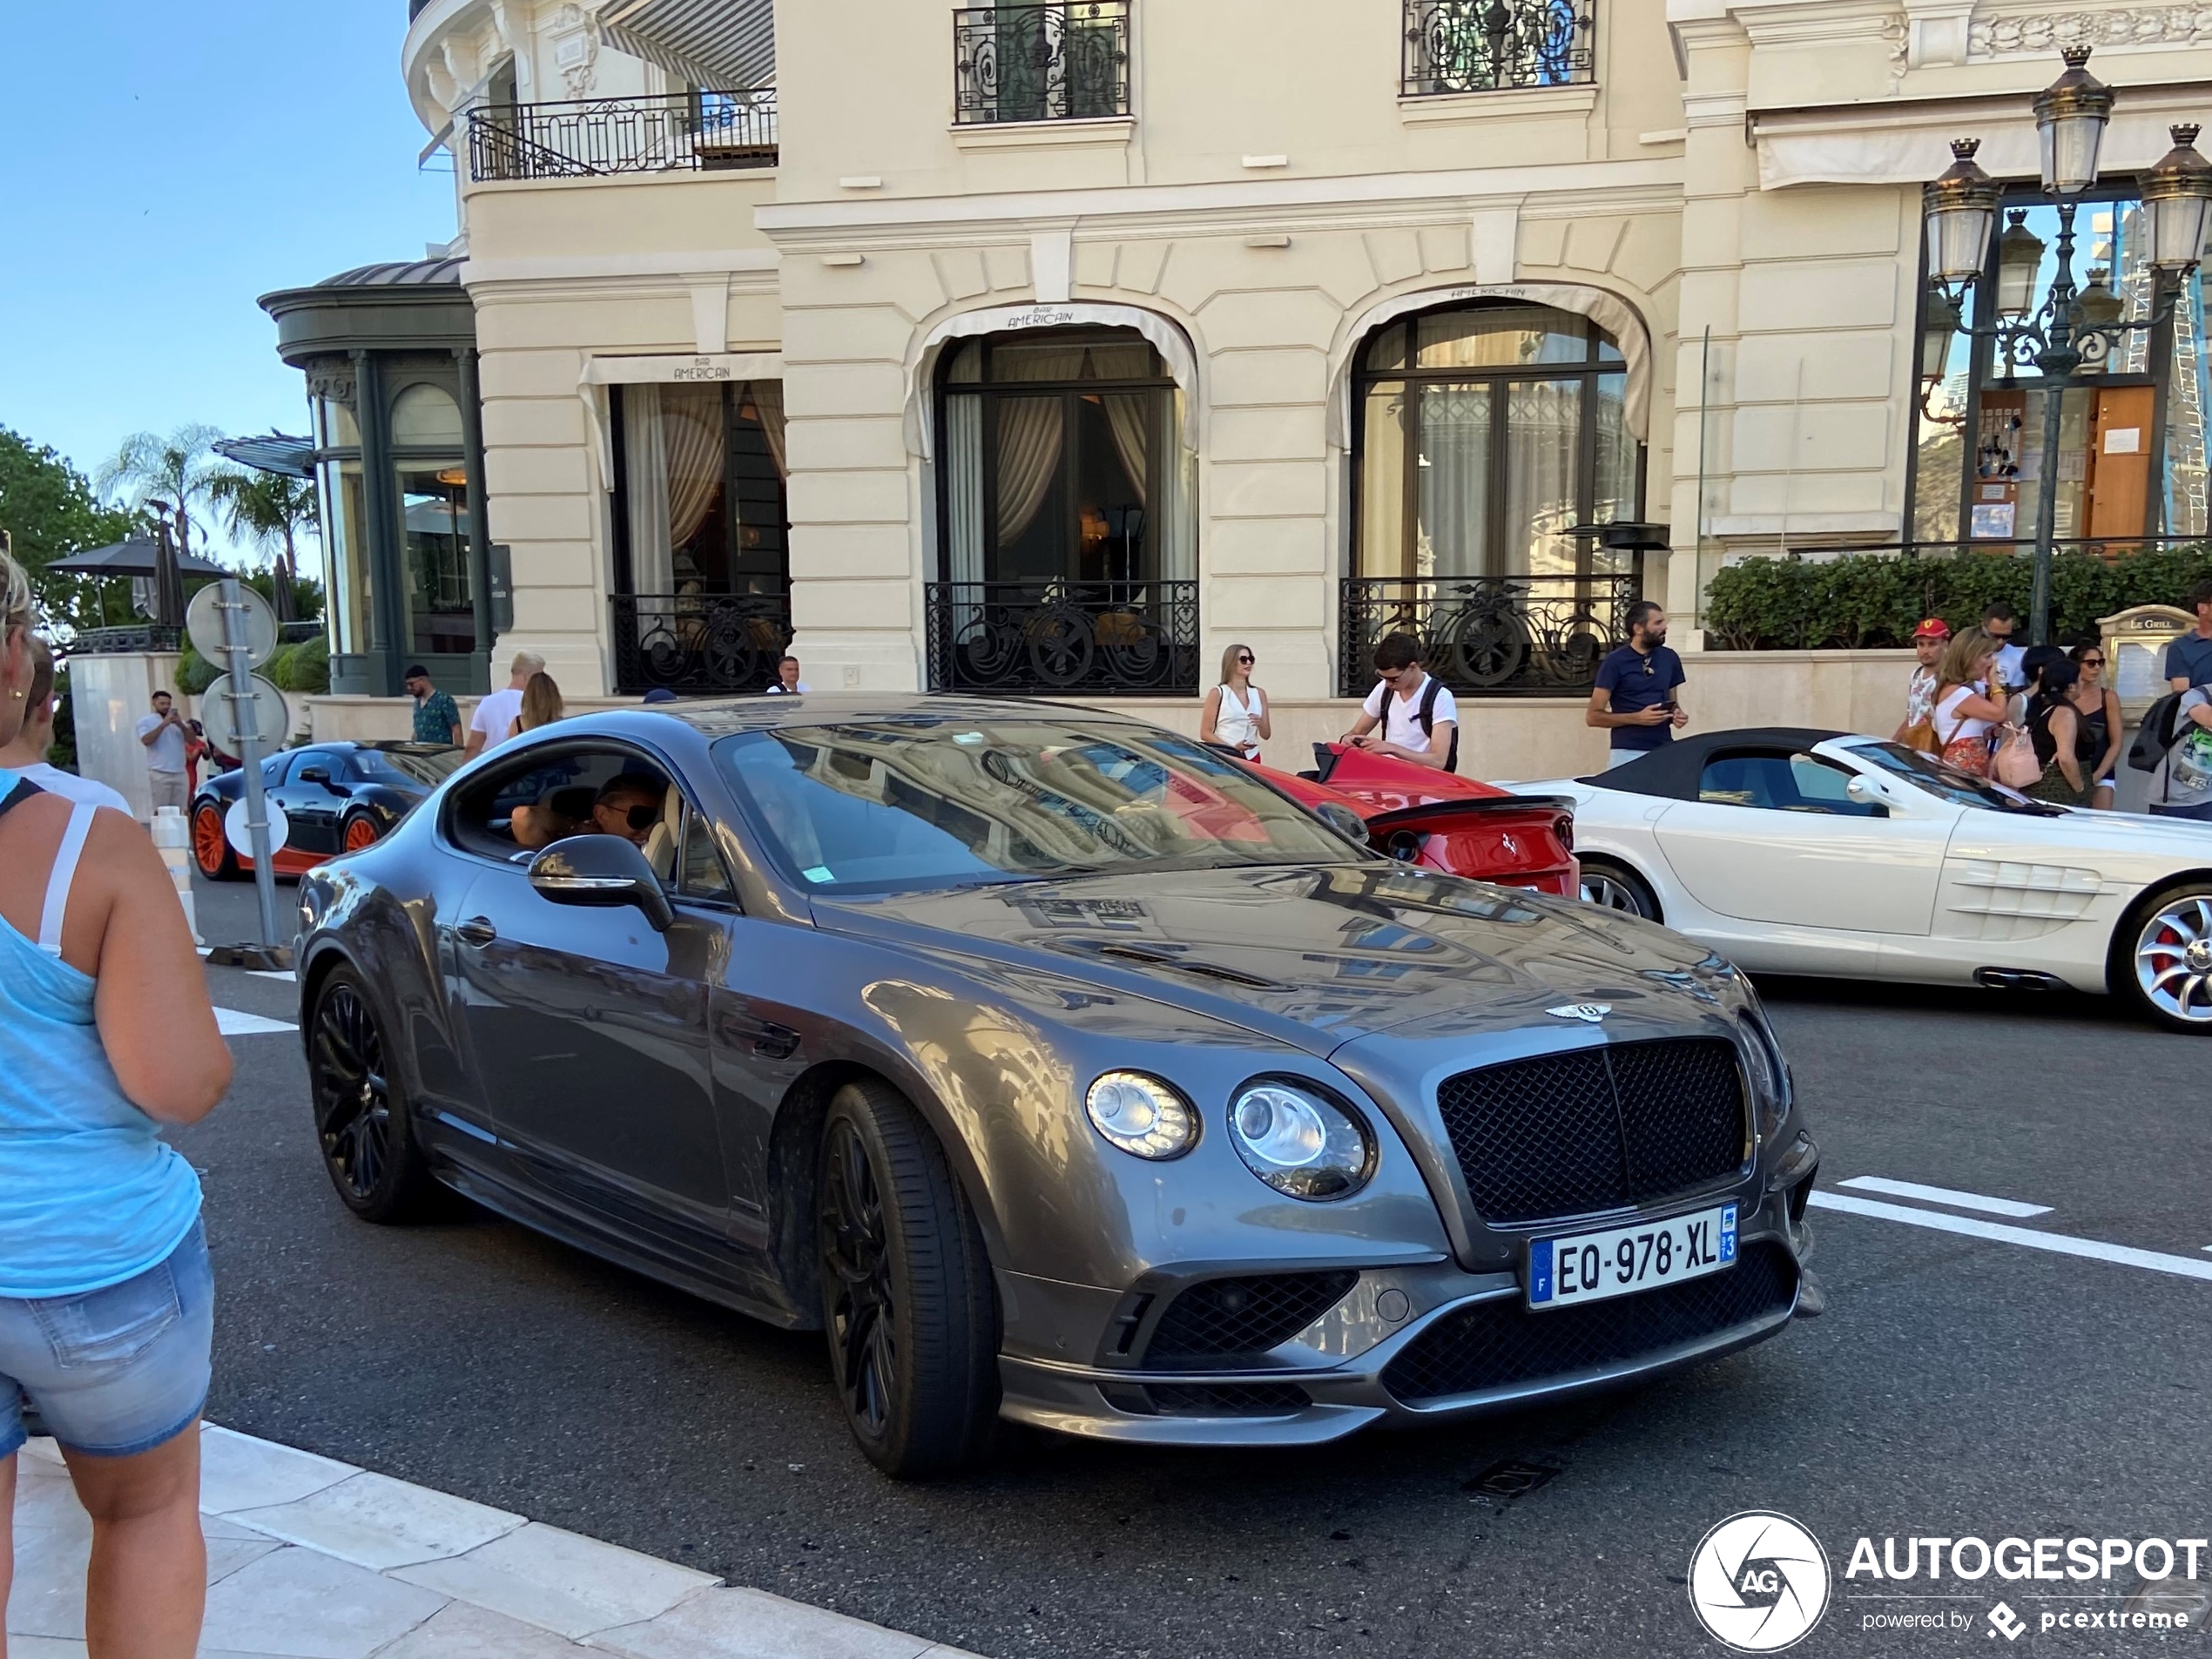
x,y
1921,735
2015,764
1969,755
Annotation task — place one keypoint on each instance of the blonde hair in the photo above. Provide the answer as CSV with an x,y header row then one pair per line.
x,y
1229,663
15,595
527,662
1963,655
541,702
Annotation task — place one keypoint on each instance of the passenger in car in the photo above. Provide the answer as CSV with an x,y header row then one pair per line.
x,y
628,805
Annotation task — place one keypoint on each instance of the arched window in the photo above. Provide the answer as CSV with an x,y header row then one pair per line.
x,y
426,417
1483,434
1063,461
428,465
1068,508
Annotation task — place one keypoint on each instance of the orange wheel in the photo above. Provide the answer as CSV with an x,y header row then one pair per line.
x,y
360,833
210,848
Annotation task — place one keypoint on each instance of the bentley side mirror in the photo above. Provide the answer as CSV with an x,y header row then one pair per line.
x,y
603,871
1346,822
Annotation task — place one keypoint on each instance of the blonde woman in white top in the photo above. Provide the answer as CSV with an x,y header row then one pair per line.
x,y
1235,714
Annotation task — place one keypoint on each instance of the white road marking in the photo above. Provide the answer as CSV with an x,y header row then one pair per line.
x,y
235,1023
2057,1244
1951,1196
291,976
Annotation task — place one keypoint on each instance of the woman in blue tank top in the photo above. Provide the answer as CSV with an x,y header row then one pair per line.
x,y
106,1300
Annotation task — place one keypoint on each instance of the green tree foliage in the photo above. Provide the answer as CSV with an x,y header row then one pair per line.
x,y
1866,599
170,477
49,511
266,510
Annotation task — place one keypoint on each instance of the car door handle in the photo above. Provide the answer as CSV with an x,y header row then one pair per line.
x,y
477,930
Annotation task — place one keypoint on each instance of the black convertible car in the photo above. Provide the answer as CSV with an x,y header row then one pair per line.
x,y
1055,1066
337,798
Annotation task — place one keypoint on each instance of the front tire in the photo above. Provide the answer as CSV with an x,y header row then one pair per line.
x,y
1615,886
906,1295
2161,958
362,1122
211,845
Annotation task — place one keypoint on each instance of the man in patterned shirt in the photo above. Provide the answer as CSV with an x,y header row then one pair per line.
x,y
436,718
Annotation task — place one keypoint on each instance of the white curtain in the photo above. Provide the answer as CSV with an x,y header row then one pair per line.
x,y
645,456
1382,482
964,487
691,430
1454,469
1543,432
767,399
1175,499
1029,443
1128,416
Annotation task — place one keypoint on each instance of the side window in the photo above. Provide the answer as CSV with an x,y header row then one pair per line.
x,y
702,874
1746,781
273,770
527,805
1825,788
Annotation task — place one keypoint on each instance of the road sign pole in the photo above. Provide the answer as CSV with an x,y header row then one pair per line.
x,y
246,721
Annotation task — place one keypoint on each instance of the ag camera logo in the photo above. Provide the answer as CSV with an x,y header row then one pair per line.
x,y
1758,1581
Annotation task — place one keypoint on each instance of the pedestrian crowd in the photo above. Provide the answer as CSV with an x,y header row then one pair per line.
x,y
2046,720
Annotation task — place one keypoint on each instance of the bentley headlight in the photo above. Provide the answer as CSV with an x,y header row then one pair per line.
x,y
1771,1084
1299,1141
1142,1114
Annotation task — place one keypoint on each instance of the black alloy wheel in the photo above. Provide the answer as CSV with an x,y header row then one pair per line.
x,y
361,1121
906,1296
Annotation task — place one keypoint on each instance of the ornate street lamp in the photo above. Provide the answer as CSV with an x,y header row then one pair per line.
x,y
2069,329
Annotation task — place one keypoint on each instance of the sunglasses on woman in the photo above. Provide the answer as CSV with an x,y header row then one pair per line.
x,y
1246,662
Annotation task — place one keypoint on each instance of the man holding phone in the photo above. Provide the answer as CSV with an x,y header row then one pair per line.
x,y
1637,701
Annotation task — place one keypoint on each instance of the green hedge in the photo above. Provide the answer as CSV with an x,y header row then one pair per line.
x,y
1860,600
303,667
194,673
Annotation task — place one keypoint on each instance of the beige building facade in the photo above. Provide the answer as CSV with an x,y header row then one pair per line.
x,y
1050,349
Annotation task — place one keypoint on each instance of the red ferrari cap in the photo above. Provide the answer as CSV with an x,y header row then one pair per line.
x,y
1933,628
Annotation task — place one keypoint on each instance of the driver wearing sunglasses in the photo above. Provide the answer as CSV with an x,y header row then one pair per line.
x,y
628,805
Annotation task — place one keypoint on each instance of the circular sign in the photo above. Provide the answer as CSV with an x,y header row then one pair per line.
x,y
219,712
241,838
1758,1581
204,623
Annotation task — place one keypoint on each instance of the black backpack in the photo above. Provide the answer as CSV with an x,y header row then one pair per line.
x,y
1426,716
2156,735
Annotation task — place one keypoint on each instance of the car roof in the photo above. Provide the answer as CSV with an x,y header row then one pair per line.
x,y
1673,770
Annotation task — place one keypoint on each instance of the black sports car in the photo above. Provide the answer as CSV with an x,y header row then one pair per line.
x,y
1058,1067
337,798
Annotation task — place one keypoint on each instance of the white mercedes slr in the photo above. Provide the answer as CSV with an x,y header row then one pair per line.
x,y
1798,852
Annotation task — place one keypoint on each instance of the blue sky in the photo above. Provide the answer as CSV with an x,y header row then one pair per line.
x,y
166,164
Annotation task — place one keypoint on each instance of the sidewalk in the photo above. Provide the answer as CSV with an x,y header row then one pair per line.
x,y
313,1559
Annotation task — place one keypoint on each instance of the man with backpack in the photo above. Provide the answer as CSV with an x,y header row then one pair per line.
x,y
1419,717
1637,701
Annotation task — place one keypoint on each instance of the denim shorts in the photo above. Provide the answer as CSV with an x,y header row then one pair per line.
x,y
116,1372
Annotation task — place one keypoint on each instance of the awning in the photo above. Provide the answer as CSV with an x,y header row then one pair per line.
x,y
725,45
272,452
133,557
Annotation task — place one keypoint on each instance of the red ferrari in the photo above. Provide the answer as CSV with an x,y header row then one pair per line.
x,y
1421,816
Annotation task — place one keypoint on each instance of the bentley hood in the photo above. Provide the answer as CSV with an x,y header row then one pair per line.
x,y
1313,958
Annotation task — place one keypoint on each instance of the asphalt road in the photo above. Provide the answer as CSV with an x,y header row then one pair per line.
x,y
1958,1386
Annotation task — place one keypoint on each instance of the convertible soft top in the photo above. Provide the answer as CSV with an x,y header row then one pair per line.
x,y
1673,770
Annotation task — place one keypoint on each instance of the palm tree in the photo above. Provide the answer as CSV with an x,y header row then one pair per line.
x,y
172,473
267,509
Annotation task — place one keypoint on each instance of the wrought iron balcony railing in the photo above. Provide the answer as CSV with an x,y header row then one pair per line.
x,y
701,644
1535,636
1067,60
1065,638
683,131
1489,46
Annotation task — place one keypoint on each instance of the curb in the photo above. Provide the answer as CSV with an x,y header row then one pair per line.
x,y
310,1558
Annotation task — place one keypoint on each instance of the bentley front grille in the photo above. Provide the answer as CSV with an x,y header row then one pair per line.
x,y
1596,1129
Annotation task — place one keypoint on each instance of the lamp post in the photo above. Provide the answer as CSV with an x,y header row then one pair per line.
x,y
2067,332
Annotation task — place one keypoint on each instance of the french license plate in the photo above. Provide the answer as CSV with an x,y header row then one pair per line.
x,y
1589,1267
